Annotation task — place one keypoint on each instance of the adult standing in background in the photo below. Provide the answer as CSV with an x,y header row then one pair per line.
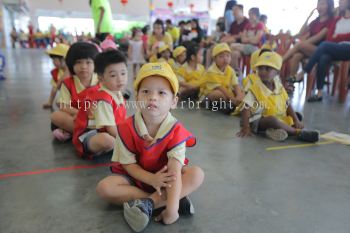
x,y
228,15
102,15
173,31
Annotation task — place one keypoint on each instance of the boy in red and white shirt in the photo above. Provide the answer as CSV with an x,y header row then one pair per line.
x,y
151,164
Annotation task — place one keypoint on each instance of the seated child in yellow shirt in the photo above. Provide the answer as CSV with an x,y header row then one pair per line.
x,y
179,55
95,126
221,82
57,54
164,54
191,73
266,106
80,62
150,167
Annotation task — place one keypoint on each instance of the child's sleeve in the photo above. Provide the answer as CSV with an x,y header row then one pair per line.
x,y
121,154
178,153
250,100
64,96
234,79
104,115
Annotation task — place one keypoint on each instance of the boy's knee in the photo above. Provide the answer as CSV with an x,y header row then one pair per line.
x,y
102,189
197,174
107,142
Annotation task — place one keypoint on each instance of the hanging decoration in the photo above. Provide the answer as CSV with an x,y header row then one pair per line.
x,y
170,4
124,2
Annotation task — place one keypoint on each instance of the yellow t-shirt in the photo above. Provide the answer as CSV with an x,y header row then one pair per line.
x,y
122,155
260,108
64,96
193,77
166,40
103,113
215,78
175,33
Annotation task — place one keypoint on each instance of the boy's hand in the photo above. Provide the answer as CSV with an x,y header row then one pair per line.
x,y
245,132
298,125
161,179
167,217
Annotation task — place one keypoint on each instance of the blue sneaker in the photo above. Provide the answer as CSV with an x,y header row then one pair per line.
x,y
138,213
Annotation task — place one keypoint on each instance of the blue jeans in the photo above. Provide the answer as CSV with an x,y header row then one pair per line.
x,y
326,53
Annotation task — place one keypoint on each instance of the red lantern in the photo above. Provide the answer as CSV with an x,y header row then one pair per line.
x,y
124,2
170,4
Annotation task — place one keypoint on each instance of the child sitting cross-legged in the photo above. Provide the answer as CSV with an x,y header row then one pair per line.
x,y
95,126
266,105
151,168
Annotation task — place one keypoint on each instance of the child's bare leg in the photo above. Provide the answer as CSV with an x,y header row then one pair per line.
x,y
101,142
63,121
272,122
216,95
294,63
117,190
236,55
134,67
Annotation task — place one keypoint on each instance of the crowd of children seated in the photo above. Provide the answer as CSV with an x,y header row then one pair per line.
x,y
150,166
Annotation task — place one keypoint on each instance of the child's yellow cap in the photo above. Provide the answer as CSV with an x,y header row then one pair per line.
x,y
270,59
178,51
59,50
219,48
158,69
163,48
254,58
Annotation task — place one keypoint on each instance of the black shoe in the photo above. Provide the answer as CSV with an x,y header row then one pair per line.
x,y
314,98
186,206
309,136
292,79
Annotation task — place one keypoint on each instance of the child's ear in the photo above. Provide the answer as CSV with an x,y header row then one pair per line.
x,y
100,77
174,102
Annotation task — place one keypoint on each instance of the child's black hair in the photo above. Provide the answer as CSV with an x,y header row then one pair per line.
x,y
161,23
255,11
221,26
107,58
264,51
191,49
56,56
80,50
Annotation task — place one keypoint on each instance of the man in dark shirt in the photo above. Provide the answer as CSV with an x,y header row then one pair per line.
x,y
237,27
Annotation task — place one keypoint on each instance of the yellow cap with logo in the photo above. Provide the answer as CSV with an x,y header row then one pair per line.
x,y
163,48
219,48
162,69
178,51
270,59
59,50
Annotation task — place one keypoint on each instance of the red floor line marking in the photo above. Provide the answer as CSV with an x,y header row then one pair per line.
x,y
58,169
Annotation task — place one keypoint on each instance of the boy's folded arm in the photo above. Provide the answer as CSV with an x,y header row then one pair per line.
x,y
137,172
112,130
173,192
68,109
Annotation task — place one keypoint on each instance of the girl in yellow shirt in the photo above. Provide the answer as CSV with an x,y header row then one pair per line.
x,y
191,73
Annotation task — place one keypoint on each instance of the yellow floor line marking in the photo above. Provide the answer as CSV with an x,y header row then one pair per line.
x,y
298,146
